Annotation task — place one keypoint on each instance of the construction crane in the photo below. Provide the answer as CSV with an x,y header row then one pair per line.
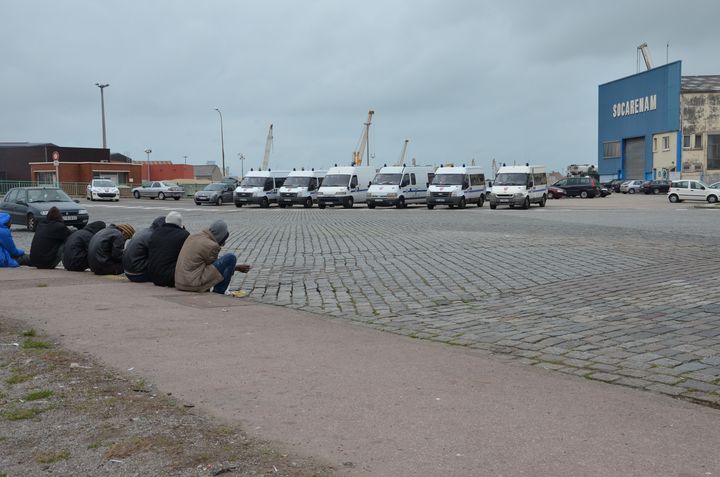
x,y
645,50
268,146
358,155
402,153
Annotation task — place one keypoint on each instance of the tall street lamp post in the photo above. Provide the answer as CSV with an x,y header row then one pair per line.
x,y
242,164
222,141
148,151
102,109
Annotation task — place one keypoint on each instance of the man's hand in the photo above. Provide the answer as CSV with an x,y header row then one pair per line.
x,y
242,268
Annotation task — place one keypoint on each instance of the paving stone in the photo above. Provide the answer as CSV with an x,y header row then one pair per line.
x,y
607,377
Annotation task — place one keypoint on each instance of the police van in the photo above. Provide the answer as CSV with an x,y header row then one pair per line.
x,y
399,186
519,186
301,187
457,186
259,187
345,185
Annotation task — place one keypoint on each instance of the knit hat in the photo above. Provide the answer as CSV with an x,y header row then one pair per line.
x,y
157,223
219,231
127,230
174,218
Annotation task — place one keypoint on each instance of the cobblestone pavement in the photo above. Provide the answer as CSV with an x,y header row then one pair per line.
x,y
622,290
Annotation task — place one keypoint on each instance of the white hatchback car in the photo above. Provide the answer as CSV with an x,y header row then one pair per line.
x,y
692,190
102,189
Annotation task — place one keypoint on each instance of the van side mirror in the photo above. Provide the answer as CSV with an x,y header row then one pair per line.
x,y
369,183
427,184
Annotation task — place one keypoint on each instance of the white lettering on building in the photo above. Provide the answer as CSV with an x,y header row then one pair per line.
x,y
634,106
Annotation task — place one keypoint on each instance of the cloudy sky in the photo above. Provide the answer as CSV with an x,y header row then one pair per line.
x,y
461,79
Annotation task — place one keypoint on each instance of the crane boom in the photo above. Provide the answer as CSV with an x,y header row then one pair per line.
x,y
268,146
358,155
646,55
402,153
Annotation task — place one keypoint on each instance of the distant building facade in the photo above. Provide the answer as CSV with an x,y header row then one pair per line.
x,y
16,157
208,172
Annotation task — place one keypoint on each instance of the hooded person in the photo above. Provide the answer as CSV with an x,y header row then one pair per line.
x,y
10,255
164,247
46,248
75,251
198,267
135,257
105,251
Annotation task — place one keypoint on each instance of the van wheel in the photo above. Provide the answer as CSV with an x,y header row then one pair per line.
x,y
584,194
712,199
526,204
481,202
493,206
321,205
674,199
349,202
238,205
282,206
430,206
308,203
370,205
400,203
543,200
462,203
264,203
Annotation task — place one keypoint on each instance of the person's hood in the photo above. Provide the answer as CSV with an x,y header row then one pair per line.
x,y
4,219
158,222
95,227
219,231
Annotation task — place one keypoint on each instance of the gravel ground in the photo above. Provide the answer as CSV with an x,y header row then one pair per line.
x,y
65,414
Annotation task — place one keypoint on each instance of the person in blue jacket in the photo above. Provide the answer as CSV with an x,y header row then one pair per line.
x,y
10,255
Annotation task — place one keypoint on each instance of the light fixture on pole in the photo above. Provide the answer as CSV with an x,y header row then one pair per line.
x,y
102,109
185,157
222,141
242,164
148,151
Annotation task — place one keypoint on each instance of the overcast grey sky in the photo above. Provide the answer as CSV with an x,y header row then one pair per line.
x,y
461,79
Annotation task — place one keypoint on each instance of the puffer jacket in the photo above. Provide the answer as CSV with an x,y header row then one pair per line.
x,y
165,245
49,237
105,252
195,271
135,257
8,250
75,252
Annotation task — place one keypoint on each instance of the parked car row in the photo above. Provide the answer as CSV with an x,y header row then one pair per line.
x,y
693,190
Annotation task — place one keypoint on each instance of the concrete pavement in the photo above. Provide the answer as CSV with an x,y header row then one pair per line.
x,y
373,403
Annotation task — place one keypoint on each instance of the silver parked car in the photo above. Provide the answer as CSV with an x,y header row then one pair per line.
x,y
216,193
631,187
160,189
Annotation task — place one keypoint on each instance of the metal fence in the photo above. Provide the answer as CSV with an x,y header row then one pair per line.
x,y
73,189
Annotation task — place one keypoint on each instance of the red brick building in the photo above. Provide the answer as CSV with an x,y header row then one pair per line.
x,y
165,171
122,173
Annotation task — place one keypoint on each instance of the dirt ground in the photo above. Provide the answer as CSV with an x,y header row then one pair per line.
x,y
63,413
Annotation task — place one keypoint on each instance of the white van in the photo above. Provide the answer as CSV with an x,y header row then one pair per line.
x,y
301,187
399,186
345,185
519,186
457,185
259,187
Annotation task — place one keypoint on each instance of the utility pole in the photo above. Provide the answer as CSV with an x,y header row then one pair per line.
x,y
242,164
102,109
148,151
222,141
185,157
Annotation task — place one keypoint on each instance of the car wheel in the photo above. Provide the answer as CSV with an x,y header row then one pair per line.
x,y
656,191
451,206
462,204
197,203
674,199
481,202
400,203
31,223
161,196
631,191
176,198
584,194
308,203
712,199
430,206
543,200
238,205
136,194
526,204
219,201
349,202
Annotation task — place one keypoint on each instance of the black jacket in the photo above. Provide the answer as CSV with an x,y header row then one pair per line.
x,y
135,257
105,252
49,237
75,252
164,248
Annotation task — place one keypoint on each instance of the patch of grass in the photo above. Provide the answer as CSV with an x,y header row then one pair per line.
x,y
37,395
17,378
95,445
42,285
30,333
21,414
121,450
50,457
35,344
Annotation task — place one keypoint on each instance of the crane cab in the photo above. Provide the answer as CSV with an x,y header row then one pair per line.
x,y
399,186
259,187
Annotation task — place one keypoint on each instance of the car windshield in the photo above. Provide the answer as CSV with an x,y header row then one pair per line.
x,y
214,187
104,183
336,180
511,179
448,179
253,181
297,181
47,195
387,179
169,184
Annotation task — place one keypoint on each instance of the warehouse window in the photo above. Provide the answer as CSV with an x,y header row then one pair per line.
x,y
666,143
686,141
654,144
713,151
698,141
611,150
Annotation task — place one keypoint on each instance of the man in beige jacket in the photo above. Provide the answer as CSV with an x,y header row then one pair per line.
x,y
198,267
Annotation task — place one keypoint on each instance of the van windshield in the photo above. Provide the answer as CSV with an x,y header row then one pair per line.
x,y
297,181
511,179
336,180
387,179
448,179
253,181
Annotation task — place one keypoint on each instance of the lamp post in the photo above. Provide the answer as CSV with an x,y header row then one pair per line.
x,y
242,164
222,141
102,109
185,157
148,151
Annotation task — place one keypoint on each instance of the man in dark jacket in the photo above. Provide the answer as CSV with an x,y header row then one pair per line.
x,y
106,249
135,258
75,251
47,243
164,248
